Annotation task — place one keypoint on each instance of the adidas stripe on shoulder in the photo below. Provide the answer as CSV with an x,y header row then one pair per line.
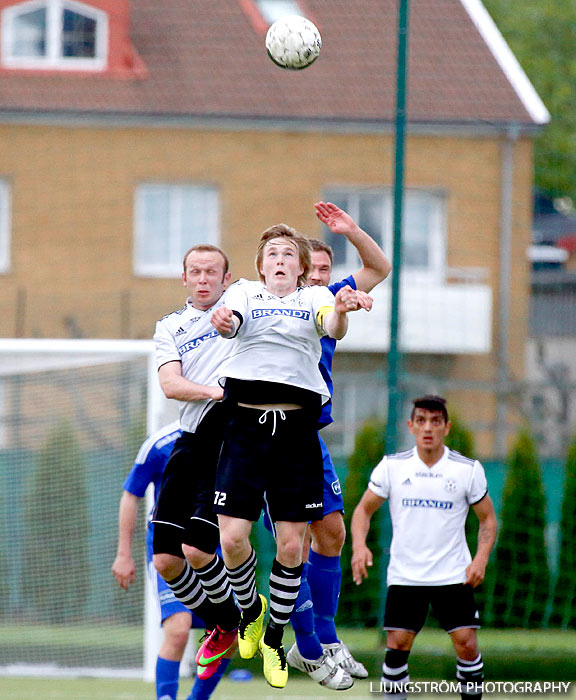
x,y
457,457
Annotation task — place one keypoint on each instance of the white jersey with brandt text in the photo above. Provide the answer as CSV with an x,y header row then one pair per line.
x,y
188,336
428,508
279,338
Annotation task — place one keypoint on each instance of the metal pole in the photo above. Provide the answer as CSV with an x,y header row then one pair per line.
x,y
394,355
503,347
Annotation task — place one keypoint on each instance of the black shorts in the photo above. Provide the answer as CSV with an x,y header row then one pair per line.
x,y
454,607
184,512
267,459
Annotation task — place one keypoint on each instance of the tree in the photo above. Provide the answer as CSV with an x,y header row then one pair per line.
x,y
522,576
542,35
56,554
564,608
360,600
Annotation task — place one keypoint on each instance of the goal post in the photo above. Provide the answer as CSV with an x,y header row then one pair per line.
x,y
73,414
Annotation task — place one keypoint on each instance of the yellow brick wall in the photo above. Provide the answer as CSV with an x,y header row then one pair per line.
x,y
72,214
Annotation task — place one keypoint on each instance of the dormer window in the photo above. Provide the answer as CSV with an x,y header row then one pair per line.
x,y
54,34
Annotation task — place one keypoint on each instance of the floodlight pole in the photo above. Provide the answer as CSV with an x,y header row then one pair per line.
x,y
394,355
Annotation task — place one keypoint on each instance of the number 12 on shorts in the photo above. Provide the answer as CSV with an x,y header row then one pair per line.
x,y
219,498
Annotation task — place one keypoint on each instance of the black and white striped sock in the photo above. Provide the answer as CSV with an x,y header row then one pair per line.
x,y
395,676
243,582
470,674
216,586
188,590
284,587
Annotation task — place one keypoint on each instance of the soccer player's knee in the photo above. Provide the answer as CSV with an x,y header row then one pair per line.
x,y
232,542
289,551
467,648
328,535
167,566
177,637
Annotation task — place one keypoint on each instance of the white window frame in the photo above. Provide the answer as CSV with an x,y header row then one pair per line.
x,y
54,58
435,271
211,233
5,226
270,9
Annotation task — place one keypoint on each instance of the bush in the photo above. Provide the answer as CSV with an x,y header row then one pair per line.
x,y
522,577
360,608
57,578
564,607
460,438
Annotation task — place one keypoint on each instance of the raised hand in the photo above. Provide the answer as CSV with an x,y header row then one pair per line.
x,y
337,220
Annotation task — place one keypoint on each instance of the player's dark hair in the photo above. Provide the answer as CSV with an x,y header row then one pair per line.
x,y
430,402
301,242
207,248
319,246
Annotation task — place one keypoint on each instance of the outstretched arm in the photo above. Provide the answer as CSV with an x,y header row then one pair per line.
x,y
375,265
487,531
361,556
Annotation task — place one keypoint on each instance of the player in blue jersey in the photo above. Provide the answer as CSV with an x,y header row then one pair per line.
x,y
315,609
176,619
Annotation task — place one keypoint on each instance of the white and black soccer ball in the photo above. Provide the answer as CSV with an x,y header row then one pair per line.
x,y
293,42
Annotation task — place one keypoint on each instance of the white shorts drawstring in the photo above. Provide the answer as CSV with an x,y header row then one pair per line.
x,y
273,411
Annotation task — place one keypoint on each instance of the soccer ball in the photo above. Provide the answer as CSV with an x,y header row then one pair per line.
x,y
293,42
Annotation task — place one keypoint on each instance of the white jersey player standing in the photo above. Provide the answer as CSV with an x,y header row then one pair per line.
x,y
430,489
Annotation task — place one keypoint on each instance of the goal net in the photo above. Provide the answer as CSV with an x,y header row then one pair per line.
x,y
72,417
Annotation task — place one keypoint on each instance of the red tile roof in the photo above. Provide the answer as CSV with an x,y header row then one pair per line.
x,y
204,58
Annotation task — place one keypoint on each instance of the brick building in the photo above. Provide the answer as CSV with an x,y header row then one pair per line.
x,y
132,129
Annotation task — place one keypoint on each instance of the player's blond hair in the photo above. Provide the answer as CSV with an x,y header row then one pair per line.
x,y
290,234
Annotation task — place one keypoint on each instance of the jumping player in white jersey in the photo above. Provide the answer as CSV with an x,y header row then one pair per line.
x,y
189,353
315,610
430,489
271,449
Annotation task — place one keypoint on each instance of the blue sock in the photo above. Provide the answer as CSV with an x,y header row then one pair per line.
x,y
302,620
324,576
167,673
202,690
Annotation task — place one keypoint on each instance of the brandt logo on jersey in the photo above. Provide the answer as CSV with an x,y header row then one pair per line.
x,y
293,313
193,344
427,503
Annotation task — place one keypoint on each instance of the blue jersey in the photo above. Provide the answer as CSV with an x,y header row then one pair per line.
x,y
151,461
328,348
